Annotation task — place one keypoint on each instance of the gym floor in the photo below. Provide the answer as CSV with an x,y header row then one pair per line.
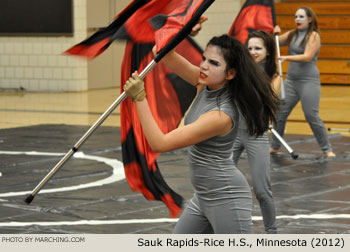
x,y
89,194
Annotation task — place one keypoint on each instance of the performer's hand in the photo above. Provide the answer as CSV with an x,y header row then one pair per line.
x,y
283,58
198,26
276,29
135,88
154,50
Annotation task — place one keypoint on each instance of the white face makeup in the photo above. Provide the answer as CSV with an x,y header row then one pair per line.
x,y
213,68
301,20
257,49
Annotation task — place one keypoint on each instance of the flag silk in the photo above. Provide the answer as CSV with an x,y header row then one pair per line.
x,y
138,21
167,94
254,15
102,39
180,13
131,24
169,97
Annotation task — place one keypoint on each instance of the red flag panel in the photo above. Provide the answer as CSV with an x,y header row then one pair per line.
x,y
254,15
168,97
167,26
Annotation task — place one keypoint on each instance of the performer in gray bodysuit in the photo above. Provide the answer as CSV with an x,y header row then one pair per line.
x,y
222,200
227,77
303,78
261,46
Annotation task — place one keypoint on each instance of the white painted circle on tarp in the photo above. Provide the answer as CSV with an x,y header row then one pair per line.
x,y
117,172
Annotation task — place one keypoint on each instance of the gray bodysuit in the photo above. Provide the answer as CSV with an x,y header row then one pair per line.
x,y
222,202
302,83
259,163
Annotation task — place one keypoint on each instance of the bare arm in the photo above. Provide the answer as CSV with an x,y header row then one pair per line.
x,y
182,67
282,39
206,126
312,45
276,84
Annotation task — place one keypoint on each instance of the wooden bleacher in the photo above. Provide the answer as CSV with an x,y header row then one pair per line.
x,y
334,22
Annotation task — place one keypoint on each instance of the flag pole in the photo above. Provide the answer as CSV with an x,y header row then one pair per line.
x,y
289,149
181,35
282,97
283,94
81,141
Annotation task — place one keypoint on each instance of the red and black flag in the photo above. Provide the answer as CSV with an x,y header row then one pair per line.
x,y
254,15
102,39
163,23
168,95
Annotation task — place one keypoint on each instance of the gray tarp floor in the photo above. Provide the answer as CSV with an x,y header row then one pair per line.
x,y
88,194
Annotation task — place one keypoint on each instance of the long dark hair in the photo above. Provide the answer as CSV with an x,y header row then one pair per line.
x,y
250,89
313,26
269,43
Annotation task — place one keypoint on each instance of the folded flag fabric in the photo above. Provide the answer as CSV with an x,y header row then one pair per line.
x,y
168,95
254,15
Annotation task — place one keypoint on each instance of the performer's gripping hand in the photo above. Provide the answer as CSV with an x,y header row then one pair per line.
x,y
276,29
198,26
135,88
